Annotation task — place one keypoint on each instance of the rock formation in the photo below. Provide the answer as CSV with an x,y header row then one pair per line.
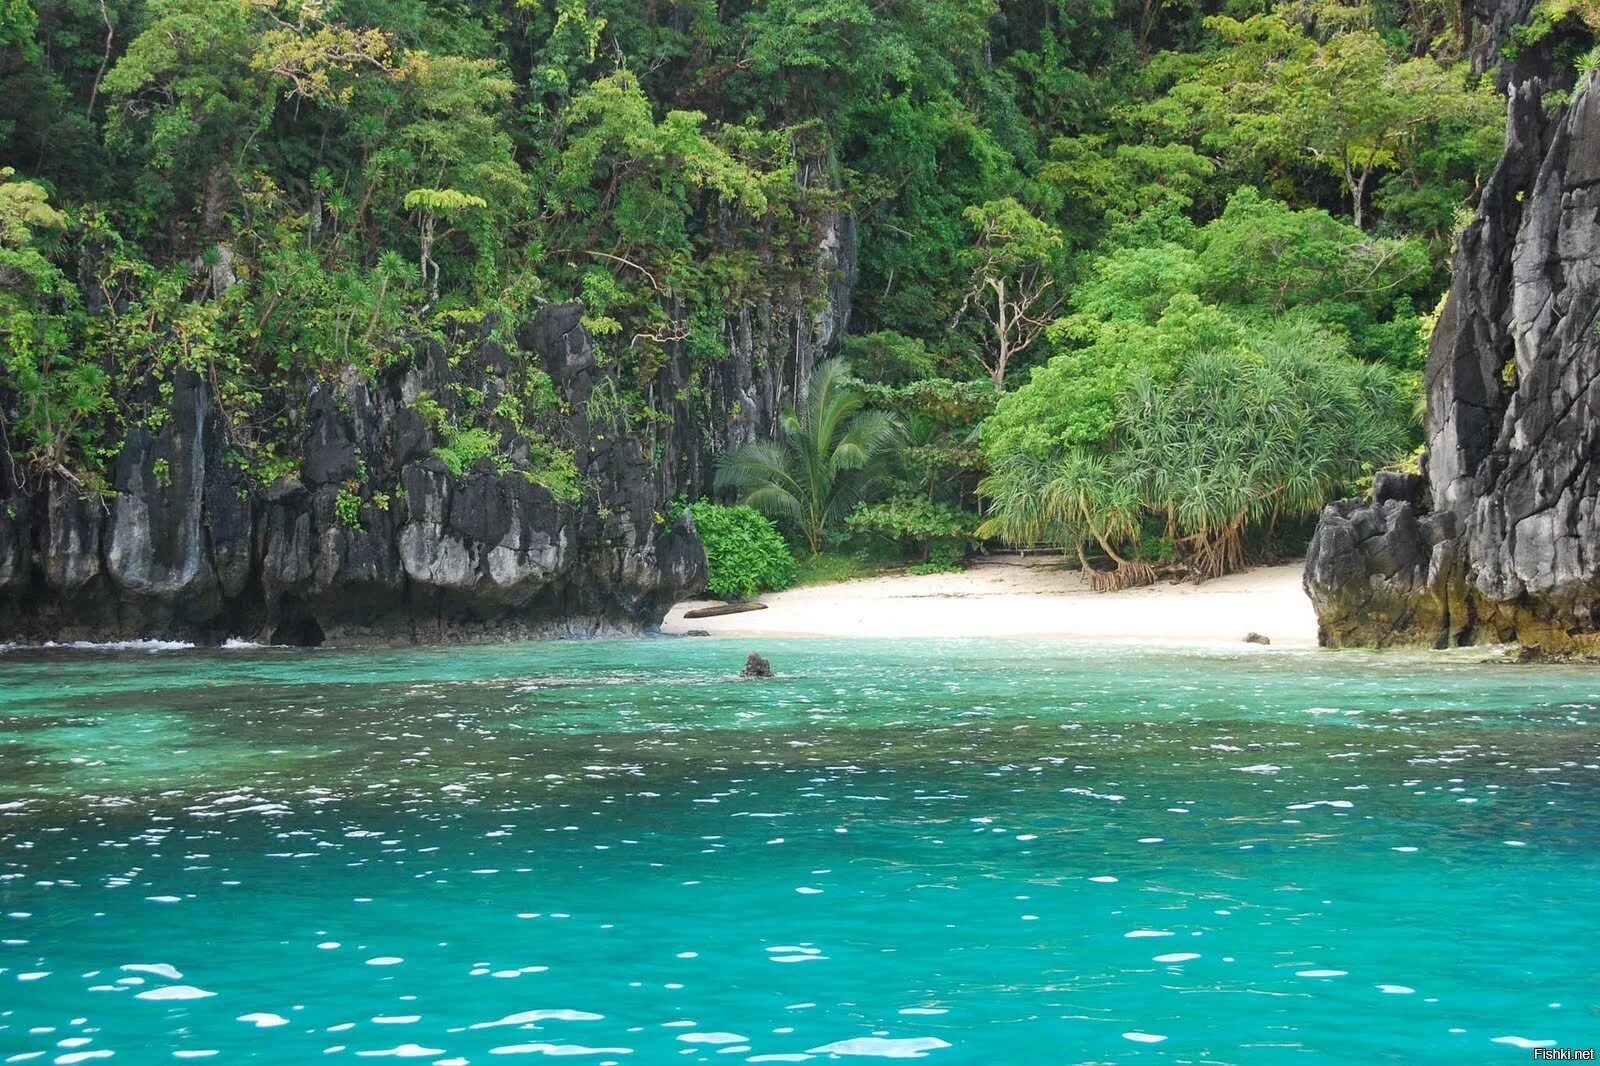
x,y
1498,539
756,666
188,548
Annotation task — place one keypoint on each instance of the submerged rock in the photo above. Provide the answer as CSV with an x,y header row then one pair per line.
x,y
1256,638
756,666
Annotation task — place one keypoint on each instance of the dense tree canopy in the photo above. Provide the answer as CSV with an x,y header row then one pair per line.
x,y
1067,200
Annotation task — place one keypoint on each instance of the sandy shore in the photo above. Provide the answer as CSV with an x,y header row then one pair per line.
x,y
1011,597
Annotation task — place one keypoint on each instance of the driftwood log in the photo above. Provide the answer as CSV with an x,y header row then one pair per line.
x,y
725,608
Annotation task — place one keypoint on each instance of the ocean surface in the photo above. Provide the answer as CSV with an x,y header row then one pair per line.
x,y
963,851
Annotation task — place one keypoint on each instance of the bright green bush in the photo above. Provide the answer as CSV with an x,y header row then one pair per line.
x,y
347,509
744,551
920,527
462,448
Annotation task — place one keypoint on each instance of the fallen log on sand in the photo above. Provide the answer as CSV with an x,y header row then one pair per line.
x,y
725,608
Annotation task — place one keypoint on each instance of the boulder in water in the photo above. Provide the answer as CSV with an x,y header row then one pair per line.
x,y
756,666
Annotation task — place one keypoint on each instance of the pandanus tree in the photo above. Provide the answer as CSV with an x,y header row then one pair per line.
x,y
1231,440
830,453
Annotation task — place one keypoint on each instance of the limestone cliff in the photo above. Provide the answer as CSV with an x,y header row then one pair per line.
x,y
1499,538
187,548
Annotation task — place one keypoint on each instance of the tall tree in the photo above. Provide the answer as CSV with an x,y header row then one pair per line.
x,y
1012,286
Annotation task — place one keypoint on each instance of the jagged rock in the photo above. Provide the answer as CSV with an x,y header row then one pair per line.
x,y
1499,540
1256,638
187,548
756,666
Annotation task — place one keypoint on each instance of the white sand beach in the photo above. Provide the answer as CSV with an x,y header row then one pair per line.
x,y
1035,597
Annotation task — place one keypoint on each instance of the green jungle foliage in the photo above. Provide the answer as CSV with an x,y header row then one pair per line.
x,y
1058,203
830,454
744,551
1237,429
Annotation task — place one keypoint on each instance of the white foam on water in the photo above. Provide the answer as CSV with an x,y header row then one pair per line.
x,y
397,1019
263,1019
175,992
1396,990
793,1056
1104,879
385,960
1138,933
1177,956
404,1051
1259,768
239,644
122,645
1144,1038
87,1056
1321,973
712,1038
197,1053
160,969
1522,1042
558,1049
913,1047
924,1010
804,891
531,1017
165,899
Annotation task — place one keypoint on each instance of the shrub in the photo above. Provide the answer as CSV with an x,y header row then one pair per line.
x,y
744,552
462,448
919,526
347,509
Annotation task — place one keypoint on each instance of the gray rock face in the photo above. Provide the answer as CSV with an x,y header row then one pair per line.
x,y
1499,540
187,549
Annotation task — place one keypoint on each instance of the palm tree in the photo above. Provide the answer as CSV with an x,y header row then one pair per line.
x,y
830,453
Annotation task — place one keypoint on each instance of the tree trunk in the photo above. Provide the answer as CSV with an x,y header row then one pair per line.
x,y
1358,189
425,259
214,203
998,374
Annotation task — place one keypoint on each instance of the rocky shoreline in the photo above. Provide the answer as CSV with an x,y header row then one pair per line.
x,y
186,547
1498,539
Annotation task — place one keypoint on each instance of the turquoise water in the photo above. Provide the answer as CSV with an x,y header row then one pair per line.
x,y
969,852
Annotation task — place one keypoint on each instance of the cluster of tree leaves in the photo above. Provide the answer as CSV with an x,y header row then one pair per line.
x,y
745,554
1223,377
